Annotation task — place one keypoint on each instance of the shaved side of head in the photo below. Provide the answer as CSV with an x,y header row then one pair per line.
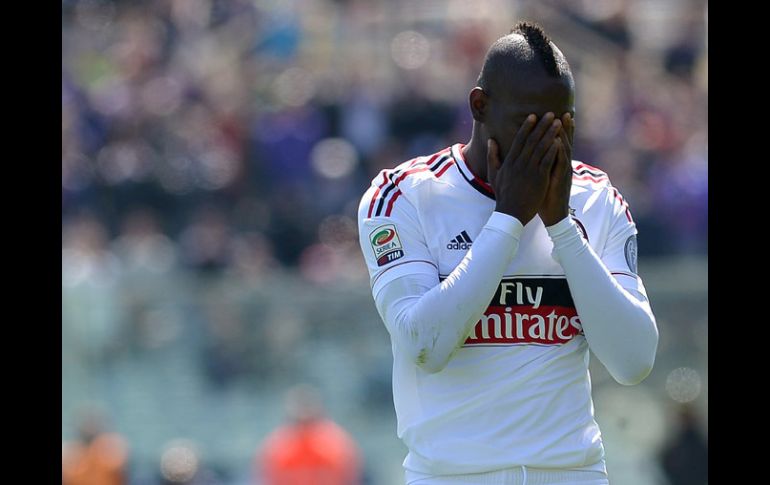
x,y
523,54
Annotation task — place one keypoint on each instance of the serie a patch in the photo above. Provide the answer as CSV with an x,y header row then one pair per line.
x,y
386,244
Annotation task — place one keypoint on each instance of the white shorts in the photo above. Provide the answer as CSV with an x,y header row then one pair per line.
x,y
514,476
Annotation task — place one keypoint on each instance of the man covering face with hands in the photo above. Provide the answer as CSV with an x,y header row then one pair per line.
x,y
495,265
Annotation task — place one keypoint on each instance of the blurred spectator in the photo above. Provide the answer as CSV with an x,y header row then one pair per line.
x,y
227,348
206,241
90,273
685,459
310,448
179,103
97,457
142,246
181,464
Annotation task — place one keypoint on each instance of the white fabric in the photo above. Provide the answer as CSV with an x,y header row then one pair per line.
x,y
515,476
429,320
516,391
618,323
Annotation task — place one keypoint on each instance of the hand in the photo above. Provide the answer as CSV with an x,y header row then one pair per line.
x,y
556,204
521,180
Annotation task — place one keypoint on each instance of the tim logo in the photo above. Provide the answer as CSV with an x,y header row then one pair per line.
x,y
386,244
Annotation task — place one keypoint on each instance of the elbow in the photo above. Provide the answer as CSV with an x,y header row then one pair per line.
x,y
431,368
637,366
632,377
636,370
430,362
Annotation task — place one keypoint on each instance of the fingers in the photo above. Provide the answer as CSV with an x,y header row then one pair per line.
x,y
568,123
537,134
521,137
493,156
567,137
562,171
546,142
561,156
563,147
567,174
546,165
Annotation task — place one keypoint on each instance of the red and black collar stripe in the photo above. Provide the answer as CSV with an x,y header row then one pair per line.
x,y
474,180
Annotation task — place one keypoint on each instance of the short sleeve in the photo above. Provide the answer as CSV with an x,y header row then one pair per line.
x,y
620,250
393,245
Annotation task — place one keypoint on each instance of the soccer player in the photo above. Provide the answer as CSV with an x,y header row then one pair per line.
x,y
495,265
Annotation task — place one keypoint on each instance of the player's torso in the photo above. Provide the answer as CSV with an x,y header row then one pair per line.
x,y
532,304
517,391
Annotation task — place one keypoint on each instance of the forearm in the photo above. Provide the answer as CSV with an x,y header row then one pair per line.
x,y
430,321
619,327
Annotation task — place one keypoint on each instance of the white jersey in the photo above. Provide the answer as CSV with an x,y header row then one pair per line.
x,y
518,391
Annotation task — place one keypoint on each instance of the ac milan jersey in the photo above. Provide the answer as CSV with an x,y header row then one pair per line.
x,y
518,391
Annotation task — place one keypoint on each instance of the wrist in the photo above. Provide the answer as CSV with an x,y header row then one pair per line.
x,y
566,238
520,215
559,227
505,223
553,219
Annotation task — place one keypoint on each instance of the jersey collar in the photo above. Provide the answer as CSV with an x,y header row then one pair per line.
x,y
474,180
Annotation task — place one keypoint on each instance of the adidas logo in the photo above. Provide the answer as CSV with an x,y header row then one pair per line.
x,y
461,241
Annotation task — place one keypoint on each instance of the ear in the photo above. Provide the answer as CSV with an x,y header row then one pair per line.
x,y
479,103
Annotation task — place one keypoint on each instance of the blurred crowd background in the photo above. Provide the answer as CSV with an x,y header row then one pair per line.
x,y
213,156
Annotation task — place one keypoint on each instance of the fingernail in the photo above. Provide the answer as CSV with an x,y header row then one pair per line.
x,y
531,118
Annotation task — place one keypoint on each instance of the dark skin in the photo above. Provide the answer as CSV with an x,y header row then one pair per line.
x,y
520,146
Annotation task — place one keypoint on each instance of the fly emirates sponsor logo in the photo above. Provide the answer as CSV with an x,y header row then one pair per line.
x,y
528,310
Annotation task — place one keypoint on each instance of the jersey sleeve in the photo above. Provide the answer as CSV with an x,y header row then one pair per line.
x,y
620,250
392,241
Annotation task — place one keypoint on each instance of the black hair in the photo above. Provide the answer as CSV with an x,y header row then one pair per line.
x,y
508,51
540,43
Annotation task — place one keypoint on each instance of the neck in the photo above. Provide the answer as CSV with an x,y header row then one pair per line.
x,y
475,152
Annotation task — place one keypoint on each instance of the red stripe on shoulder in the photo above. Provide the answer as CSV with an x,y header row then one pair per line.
x,y
377,192
392,200
421,168
623,204
591,178
590,167
408,172
411,166
437,154
441,172
386,177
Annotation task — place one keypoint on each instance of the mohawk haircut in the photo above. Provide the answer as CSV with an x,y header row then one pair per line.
x,y
509,51
540,43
